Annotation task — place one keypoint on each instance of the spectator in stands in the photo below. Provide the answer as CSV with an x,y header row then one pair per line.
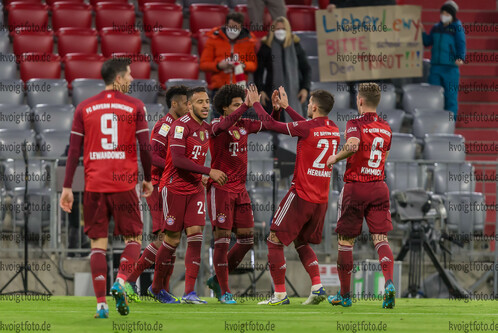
x,y
447,39
256,10
282,62
229,49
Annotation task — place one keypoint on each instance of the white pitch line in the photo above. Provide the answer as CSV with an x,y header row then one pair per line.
x,y
292,312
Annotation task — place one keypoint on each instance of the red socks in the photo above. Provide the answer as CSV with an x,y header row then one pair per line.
x,y
220,261
277,265
310,263
239,250
98,265
169,272
146,260
345,267
129,257
164,254
386,259
192,261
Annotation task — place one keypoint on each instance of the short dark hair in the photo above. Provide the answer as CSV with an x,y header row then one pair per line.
x,y
371,93
192,91
235,16
226,94
324,100
112,67
175,91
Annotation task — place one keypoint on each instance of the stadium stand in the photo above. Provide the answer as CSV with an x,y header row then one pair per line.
x,y
170,41
77,40
47,91
67,14
40,66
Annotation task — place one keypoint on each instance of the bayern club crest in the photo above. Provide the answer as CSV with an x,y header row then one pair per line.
x,y
221,218
243,131
170,220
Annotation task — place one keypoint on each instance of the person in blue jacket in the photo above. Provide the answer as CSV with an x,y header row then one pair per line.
x,y
447,39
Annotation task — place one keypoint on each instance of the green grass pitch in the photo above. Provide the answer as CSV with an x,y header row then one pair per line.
x,y
75,314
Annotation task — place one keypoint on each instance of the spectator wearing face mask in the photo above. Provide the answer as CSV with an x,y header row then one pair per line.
x,y
229,53
282,62
447,39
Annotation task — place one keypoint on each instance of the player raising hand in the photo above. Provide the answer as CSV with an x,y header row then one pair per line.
x,y
300,215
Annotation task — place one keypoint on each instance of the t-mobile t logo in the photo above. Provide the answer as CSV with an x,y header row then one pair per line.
x,y
196,150
234,148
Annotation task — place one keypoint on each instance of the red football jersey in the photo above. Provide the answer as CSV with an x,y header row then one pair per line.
x,y
109,123
374,133
229,152
186,132
318,139
160,134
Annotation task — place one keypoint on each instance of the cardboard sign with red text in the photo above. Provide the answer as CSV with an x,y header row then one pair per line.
x,y
361,43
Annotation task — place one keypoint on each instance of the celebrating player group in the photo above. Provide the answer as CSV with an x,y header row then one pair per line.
x,y
176,182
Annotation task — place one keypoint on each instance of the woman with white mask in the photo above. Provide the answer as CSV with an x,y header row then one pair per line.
x,y
282,62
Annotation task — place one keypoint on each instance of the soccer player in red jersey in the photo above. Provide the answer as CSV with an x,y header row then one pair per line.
x,y
183,192
229,206
300,216
108,125
365,194
176,100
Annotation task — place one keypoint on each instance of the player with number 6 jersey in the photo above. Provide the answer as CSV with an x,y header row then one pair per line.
x,y
365,194
300,216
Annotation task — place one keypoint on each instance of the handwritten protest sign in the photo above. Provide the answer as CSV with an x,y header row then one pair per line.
x,y
362,43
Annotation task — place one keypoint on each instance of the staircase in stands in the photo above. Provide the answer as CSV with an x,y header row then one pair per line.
x,y
478,96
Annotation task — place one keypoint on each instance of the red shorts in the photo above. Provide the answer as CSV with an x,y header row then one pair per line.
x,y
229,210
364,200
156,209
123,206
298,219
183,211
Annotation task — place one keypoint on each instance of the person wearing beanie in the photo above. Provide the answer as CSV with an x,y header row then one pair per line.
x,y
447,39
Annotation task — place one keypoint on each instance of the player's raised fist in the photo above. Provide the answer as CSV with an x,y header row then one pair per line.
x,y
147,189
218,176
67,199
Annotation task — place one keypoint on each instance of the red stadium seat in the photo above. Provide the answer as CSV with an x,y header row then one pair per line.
x,y
301,18
94,3
177,66
33,16
82,66
203,16
140,65
52,2
71,15
170,41
120,42
298,2
201,40
26,41
117,15
40,66
142,3
77,40
8,2
267,21
159,15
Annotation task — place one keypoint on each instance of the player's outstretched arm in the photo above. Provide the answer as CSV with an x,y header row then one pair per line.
x,y
350,147
268,122
284,104
223,124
